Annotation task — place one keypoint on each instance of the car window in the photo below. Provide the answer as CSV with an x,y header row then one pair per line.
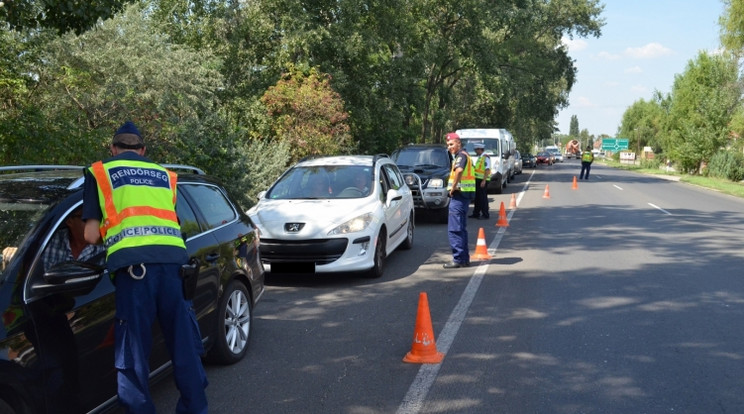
x,y
396,181
211,202
186,217
491,145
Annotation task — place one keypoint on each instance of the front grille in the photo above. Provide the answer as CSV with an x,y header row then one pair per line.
x,y
318,251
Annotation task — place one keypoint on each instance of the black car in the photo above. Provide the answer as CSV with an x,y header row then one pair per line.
x,y
56,342
529,161
426,169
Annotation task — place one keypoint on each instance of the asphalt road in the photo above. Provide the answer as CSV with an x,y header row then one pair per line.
x,y
624,295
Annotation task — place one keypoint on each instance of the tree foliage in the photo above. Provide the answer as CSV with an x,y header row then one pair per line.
x,y
702,103
60,15
207,80
573,130
308,115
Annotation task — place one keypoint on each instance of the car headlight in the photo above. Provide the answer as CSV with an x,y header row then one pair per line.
x,y
436,183
354,225
410,180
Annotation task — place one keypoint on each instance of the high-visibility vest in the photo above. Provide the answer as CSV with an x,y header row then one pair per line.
x,y
587,156
123,186
467,179
480,167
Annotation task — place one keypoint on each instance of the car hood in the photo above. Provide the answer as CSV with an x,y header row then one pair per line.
x,y
317,217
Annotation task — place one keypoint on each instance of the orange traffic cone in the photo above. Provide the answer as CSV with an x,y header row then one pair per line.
x,y
513,202
481,251
502,217
424,348
546,194
575,186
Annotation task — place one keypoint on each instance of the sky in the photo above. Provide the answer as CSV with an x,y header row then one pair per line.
x,y
644,44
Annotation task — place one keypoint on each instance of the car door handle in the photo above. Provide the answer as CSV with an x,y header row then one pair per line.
x,y
212,257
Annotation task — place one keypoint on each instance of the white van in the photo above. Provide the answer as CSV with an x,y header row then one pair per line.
x,y
500,145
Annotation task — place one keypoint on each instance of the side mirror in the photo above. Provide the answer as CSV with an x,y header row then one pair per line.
x,y
393,195
70,277
261,195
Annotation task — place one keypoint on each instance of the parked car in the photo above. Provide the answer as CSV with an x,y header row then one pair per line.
x,y
544,158
361,211
529,161
57,344
517,163
426,169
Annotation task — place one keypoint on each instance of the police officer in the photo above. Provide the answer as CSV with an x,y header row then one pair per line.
x,y
482,173
461,188
129,204
586,163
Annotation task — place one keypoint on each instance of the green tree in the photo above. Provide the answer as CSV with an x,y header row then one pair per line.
x,y
642,124
573,129
308,115
702,103
62,16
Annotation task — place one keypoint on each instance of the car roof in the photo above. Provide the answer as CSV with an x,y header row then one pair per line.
x,y
38,185
49,183
360,160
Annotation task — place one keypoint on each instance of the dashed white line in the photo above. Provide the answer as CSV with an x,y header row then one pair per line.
x,y
659,208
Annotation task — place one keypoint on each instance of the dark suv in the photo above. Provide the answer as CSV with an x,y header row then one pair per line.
x,y
426,169
56,341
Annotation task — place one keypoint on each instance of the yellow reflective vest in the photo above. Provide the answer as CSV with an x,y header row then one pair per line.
x,y
467,179
587,156
480,167
137,199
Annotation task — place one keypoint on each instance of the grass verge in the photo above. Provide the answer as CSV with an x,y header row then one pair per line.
x,y
718,184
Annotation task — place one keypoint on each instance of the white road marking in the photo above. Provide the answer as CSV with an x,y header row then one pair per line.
x,y
659,208
618,187
416,396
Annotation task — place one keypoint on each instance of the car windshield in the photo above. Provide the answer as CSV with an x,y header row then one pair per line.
x,y
421,158
323,182
491,145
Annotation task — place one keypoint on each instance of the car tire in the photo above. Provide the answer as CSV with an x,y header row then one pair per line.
x,y
408,241
379,267
234,322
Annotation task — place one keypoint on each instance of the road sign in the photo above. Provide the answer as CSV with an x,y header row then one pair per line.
x,y
614,144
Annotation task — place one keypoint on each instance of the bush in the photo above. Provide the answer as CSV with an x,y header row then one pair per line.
x,y
727,164
651,164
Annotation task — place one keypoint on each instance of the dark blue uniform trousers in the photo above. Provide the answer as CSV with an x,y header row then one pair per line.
x,y
138,302
457,228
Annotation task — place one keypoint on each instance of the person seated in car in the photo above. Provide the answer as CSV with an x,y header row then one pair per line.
x,y
317,187
361,181
68,243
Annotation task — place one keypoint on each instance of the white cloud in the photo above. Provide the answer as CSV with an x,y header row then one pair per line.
x,y
634,69
607,56
584,102
574,45
649,51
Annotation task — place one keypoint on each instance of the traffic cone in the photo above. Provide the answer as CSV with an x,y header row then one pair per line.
x,y
502,217
546,194
424,348
575,186
513,202
481,251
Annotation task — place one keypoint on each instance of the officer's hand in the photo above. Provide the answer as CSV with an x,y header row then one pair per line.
x,y
8,253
